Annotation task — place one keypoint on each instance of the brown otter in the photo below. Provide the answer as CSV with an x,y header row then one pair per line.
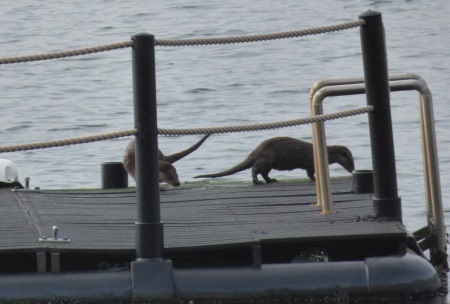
x,y
167,172
286,153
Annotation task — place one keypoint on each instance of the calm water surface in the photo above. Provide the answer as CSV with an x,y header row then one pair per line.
x,y
213,85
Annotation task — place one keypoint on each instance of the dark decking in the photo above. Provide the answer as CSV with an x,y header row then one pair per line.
x,y
197,217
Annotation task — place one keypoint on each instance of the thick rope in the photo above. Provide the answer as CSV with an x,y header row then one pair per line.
x,y
263,37
68,141
184,42
69,53
197,131
268,126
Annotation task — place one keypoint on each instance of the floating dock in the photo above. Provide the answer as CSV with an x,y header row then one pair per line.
x,y
215,235
211,224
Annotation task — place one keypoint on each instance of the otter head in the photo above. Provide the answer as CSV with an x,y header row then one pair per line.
x,y
342,156
168,174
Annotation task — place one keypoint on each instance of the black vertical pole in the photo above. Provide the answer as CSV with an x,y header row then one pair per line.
x,y
385,201
149,228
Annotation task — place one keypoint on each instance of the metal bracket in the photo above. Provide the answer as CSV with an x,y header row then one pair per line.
x,y
55,238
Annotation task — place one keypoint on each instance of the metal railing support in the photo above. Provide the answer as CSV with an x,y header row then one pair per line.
x,y
320,152
149,228
401,82
317,95
386,201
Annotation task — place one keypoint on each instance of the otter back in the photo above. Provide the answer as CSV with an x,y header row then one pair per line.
x,y
285,154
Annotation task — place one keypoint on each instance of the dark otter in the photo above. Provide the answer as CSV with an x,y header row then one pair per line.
x,y
286,153
167,172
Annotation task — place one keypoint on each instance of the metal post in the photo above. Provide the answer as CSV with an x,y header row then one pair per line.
x,y
386,201
149,228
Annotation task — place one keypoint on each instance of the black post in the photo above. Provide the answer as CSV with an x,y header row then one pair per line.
x,y
114,175
149,228
386,201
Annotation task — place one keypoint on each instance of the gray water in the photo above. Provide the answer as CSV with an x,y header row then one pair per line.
x,y
206,86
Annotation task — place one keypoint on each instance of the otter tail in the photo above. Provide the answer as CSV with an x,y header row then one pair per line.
x,y
177,156
246,164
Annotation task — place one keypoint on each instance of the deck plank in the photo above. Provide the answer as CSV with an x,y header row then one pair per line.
x,y
16,227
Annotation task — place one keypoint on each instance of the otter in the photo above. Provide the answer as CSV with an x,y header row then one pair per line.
x,y
285,153
167,172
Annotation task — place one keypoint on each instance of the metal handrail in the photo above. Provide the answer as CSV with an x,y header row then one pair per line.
x,y
401,82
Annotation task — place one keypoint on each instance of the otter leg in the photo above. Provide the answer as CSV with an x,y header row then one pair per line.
x,y
310,172
255,177
266,177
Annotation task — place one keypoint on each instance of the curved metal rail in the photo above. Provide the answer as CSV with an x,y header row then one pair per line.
x,y
402,82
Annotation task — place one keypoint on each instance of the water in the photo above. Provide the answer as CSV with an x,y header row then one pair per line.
x,y
213,85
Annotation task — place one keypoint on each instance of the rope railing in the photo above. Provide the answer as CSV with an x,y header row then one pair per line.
x,y
268,126
184,42
194,131
68,141
263,37
68,53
